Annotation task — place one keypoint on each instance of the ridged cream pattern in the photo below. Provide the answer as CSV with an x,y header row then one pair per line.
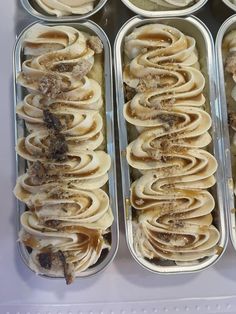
x,y
56,54
64,188
229,58
66,7
166,111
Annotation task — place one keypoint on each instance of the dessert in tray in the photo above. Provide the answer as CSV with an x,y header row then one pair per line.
x,y
150,5
172,170
229,59
67,221
66,7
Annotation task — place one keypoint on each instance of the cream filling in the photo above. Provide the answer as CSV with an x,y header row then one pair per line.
x,y
64,188
66,7
171,196
229,51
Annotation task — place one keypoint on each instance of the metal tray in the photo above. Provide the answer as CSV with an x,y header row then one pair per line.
x,y
19,91
230,4
167,13
193,27
33,9
229,25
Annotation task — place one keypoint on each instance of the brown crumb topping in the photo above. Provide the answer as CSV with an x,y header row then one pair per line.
x,y
165,237
58,147
232,120
129,92
51,85
63,67
45,260
165,145
95,43
164,158
148,83
51,120
37,172
169,119
52,223
81,69
67,268
177,224
59,193
49,260
230,65
168,103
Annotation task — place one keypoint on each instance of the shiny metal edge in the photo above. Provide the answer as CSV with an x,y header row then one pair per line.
x,y
219,214
228,25
230,4
40,14
90,27
165,13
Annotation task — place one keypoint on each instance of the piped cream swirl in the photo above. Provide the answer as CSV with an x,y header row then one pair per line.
x,y
66,7
165,108
83,129
62,206
60,59
61,251
229,59
64,187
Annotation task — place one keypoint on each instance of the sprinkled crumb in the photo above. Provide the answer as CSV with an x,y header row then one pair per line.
x,y
81,69
95,44
50,85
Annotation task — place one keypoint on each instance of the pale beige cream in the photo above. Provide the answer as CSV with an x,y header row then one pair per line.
x,y
229,59
64,188
66,7
173,169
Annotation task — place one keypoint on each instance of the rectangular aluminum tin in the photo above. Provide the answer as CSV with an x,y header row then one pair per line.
x,y
229,25
19,93
166,13
193,27
33,9
230,4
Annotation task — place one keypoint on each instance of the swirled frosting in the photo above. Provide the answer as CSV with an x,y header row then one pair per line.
x,y
64,187
60,59
75,247
66,7
83,129
173,169
229,59
64,206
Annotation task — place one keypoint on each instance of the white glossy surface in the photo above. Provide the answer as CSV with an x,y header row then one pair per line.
x,y
124,287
